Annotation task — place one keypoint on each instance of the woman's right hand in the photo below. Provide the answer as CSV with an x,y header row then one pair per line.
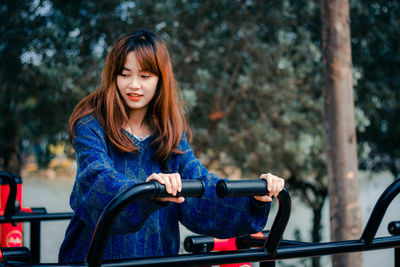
x,y
173,185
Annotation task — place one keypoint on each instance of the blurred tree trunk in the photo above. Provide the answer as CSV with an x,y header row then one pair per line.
x,y
340,128
10,143
12,161
10,147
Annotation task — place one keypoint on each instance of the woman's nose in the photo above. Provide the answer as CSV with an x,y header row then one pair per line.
x,y
134,83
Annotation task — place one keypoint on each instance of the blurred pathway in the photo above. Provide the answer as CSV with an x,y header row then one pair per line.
x,y
54,196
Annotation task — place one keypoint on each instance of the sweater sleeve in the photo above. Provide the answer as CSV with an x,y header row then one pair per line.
x,y
210,215
97,182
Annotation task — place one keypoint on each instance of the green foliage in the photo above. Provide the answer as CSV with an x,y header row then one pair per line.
x,y
253,75
243,68
51,56
376,52
249,72
18,22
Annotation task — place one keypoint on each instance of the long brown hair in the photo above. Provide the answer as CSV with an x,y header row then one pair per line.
x,y
165,113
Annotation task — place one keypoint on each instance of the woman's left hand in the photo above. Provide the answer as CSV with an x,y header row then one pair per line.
x,y
275,185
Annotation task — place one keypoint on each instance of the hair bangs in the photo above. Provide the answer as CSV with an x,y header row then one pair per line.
x,y
147,58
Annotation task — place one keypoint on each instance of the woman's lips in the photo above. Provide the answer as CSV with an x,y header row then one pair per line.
x,y
134,96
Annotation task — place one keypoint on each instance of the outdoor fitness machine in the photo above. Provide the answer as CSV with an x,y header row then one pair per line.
x,y
12,214
250,249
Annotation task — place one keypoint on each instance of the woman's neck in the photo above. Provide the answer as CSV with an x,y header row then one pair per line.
x,y
138,125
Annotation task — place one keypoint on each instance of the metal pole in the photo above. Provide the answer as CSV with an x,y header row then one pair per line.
x,y
267,264
35,241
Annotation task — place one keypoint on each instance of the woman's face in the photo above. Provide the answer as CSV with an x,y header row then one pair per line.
x,y
136,86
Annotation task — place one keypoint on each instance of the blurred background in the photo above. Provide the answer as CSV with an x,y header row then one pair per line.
x,y
251,77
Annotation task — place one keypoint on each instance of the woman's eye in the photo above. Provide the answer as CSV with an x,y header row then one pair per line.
x,y
124,74
145,76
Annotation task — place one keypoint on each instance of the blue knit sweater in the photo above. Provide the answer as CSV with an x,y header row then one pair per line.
x,y
145,228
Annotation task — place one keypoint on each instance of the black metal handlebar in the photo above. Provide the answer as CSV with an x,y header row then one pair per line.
x,y
268,253
226,188
379,211
190,188
195,188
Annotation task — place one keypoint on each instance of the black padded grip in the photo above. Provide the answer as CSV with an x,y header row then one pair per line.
x,y
199,244
240,188
394,228
190,188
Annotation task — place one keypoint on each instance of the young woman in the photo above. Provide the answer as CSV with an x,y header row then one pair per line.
x,y
132,129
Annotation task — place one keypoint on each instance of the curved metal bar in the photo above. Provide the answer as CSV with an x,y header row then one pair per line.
x,y
379,211
279,225
121,201
226,188
260,255
10,179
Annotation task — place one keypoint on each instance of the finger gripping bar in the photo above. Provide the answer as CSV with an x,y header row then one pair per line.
x,y
241,188
190,188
